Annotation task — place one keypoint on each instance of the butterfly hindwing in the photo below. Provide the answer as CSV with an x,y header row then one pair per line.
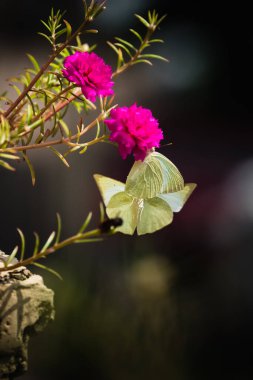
x,y
153,215
177,200
124,206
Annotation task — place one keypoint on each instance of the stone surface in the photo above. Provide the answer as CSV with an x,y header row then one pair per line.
x,y
26,307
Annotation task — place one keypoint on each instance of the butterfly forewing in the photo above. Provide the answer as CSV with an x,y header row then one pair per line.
x,y
144,181
172,179
155,175
108,187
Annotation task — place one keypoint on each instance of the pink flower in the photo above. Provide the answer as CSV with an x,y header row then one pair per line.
x,y
135,130
89,72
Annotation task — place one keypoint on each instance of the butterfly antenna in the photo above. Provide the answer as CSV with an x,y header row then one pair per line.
x,y
166,145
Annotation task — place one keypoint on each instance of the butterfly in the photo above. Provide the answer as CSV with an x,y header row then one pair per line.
x,y
154,189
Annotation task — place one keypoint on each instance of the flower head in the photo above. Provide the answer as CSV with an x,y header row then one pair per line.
x,y
135,130
90,72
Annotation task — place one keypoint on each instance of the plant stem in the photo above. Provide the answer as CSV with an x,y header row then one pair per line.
x,y
90,234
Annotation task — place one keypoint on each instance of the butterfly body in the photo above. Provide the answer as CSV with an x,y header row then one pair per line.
x,y
110,224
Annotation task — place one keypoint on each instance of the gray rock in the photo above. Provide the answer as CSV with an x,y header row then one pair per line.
x,y
26,307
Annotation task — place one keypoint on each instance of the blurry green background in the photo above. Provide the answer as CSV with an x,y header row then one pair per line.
x,y
177,304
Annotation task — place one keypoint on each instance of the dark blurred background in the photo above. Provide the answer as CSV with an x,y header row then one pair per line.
x,y
177,304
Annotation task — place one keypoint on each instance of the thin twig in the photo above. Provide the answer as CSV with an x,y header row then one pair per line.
x,y
90,234
136,55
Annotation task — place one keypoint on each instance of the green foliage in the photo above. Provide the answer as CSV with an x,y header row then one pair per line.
x,y
128,54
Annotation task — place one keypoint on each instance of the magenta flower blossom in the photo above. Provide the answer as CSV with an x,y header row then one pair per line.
x,y
89,71
135,130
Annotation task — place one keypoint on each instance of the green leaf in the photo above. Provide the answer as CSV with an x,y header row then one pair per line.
x,y
35,124
150,18
68,28
60,32
137,35
143,21
64,127
34,62
59,155
83,150
85,223
29,164
45,24
59,226
155,40
74,149
113,47
32,106
124,42
124,48
154,56
22,238
29,139
92,31
37,244
29,113
48,242
45,36
4,130
17,89
6,165
142,61
11,257
120,59
50,270
98,130
97,8
9,156
160,20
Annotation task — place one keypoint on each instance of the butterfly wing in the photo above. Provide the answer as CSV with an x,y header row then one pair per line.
x,y
144,180
153,176
177,200
124,206
172,178
108,187
153,215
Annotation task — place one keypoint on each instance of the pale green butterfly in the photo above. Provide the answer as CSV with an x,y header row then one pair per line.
x,y
147,215
152,176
